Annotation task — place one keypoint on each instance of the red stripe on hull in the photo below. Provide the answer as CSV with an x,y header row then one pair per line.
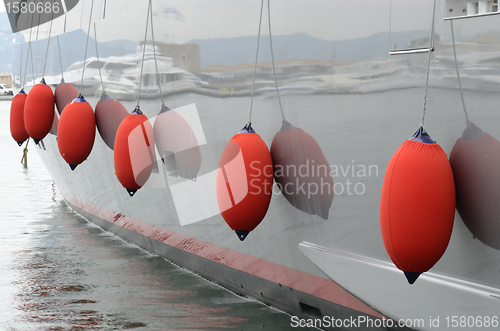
x,y
314,285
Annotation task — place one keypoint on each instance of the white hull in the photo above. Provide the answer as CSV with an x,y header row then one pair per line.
x,y
359,104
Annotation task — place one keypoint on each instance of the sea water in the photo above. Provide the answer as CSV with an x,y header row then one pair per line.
x,y
58,271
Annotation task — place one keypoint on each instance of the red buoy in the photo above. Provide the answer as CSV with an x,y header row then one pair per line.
x,y
417,205
301,171
244,181
177,144
64,94
39,111
76,132
475,160
134,151
17,129
109,113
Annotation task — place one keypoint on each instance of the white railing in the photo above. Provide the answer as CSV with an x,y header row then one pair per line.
x,y
458,9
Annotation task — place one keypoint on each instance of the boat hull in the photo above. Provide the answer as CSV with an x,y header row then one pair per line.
x,y
352,100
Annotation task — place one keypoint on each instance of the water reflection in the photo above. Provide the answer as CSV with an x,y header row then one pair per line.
x,y
64,94
301,171
177,144
475,160
109,113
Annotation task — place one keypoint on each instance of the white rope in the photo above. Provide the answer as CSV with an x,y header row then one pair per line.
x,y
48,43
104,10
26,66
431,48
458,73
255,64
60,59
272,56
143,53
86,43
154,54
38,26
32,65
30,53
98,62
27,57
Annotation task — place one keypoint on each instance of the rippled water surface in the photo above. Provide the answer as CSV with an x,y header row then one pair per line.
x,y
60,272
